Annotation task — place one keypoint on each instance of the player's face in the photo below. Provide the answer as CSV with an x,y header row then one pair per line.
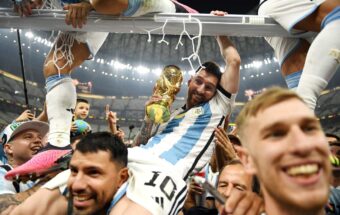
x,y
289,152
25,145
82,110
201,88
94,180
232,177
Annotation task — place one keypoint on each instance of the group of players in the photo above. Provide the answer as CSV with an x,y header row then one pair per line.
x,y
283,143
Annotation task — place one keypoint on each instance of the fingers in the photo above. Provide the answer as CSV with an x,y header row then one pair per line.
x,y
107,111
77,14
153,99
244,203
196,188
218,13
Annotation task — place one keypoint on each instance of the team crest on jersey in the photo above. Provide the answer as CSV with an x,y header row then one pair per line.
x,y
197,111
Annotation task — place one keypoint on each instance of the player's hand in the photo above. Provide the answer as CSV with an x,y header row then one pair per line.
x,y
77,14
218,13
24,116
111,118
223,143
243,203
24,7
195,188
74,127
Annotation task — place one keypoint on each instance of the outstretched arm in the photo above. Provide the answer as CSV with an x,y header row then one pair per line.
x,y
230,80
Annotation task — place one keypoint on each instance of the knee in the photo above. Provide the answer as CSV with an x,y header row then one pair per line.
x,y
111,7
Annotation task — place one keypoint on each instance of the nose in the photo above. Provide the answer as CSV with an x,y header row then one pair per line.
x,y
38,140
77,183
302,143
228,190
200,89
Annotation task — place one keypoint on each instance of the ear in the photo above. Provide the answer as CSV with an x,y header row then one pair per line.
x,y
123,176
247,160
8,149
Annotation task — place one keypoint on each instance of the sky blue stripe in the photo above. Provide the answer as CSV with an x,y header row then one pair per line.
x,y
334,15
185,144
168,129
117,198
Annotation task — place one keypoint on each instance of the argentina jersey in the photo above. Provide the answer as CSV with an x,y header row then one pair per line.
x,y
185,141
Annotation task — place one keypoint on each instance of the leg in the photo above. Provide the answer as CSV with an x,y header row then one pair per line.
x,y
61,95
323,57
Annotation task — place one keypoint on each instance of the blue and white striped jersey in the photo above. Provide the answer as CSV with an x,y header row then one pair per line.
x,y
185,140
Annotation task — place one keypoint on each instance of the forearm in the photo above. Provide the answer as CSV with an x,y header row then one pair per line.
x,y
230,78
110,7
7,200
144,134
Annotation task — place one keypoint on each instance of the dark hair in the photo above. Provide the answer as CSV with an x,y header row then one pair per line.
x,y
212,68
104,141
82,100
333,135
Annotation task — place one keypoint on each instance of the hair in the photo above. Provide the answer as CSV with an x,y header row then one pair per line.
x,y
212,68
255,185
82,100
268,98
104,141
333,135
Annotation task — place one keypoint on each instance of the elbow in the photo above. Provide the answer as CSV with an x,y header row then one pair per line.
x,y
235,62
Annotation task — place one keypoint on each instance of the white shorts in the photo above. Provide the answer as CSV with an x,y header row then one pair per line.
x,y
142,7
153,183
289,12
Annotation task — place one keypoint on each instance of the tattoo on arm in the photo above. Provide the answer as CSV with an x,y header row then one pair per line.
x,y
144,134
7,200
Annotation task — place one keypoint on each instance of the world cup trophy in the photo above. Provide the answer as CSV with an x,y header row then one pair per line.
x,y
167,86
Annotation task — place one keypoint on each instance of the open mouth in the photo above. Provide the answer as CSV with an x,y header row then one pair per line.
x,y
82,201
303,170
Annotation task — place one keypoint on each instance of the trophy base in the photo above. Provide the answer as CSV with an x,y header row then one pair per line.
x,y
158,113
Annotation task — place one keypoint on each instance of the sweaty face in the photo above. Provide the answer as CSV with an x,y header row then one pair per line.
x,y
82,110
94,180
25,145
232,177
290,156
201,88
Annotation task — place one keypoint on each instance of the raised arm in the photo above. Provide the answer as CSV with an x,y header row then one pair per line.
x,y
230,80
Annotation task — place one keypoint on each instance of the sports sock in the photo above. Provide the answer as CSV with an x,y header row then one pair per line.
x,y
60,100
322,61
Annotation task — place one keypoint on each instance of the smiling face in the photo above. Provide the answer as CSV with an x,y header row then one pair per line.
x,y
23,146
289,154
82,110
201,88
94,180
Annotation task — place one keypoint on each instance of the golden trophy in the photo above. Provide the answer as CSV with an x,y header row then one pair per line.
x,y
167,86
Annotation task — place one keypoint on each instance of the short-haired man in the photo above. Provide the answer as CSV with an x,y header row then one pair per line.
x,y
97,170
20,142
287,149
233,176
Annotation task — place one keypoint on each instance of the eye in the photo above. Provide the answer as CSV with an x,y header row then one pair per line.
x,y
276,134
240,188
198,81
310,128
74,171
